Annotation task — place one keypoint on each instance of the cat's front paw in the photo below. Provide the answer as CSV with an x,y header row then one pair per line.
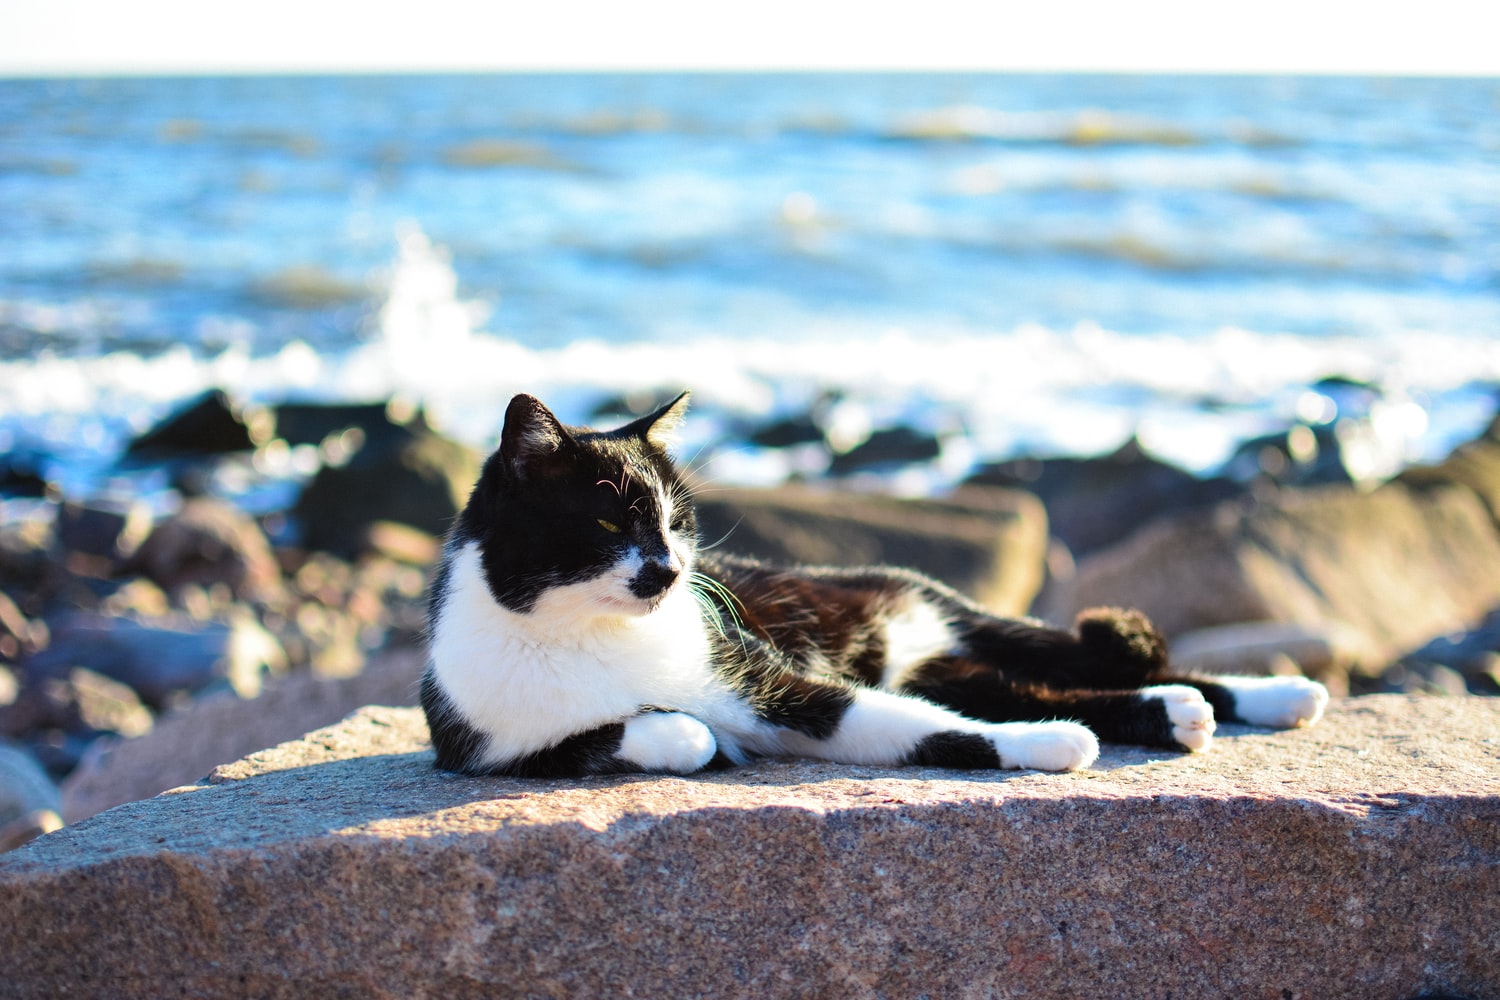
x,y
1282,702
1045,746
667,741
1188,712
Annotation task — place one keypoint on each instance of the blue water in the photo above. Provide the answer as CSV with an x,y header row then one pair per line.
x,y
1242,226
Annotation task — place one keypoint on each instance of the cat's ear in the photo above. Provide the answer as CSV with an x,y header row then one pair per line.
x,y
533,439
659,429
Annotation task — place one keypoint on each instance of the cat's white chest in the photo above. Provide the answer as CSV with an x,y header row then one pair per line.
x,y
529,680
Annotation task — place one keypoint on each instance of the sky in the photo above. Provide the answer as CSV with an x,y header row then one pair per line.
x,y
72,37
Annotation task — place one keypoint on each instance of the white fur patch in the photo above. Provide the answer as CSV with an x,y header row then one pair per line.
x,y
530,680
1282,702
667,741
1044,746
914,635
1192,717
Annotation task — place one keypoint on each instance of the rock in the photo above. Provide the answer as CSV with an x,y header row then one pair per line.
x,y
418,478
159,662
1094,502
884,448
209,543
18,636
110,531
211,424
1473,656
1233,873
190,741
988,543
1396,565
29,801
1327,652
22,474
314,423
26,555
1301,455
1474,466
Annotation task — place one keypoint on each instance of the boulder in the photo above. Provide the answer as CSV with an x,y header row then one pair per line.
x,y
1328,652
1474,466
1396,565
1358,858
1094,502
209,424
411,476
988,543
207,543
106,530
29,801
156,661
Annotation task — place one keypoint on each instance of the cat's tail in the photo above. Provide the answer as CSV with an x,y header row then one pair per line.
x,y
1124,642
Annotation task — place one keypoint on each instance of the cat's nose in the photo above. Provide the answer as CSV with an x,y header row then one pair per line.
x,y
655,577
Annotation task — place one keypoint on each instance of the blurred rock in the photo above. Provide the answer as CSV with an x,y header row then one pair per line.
x,y
1473,656
1301,455
1327,651
788,433
314,423
416,477
889,447
29,801
26,561
18,636
190,741
403,543
988,543
1396,565
1474,466
1094,502
110,531
159,662
210,542
21,475
211,424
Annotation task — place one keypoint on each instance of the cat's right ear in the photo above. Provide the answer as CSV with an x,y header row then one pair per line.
x,y
533,439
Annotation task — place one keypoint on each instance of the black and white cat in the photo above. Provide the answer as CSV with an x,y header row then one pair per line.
x,y
575,628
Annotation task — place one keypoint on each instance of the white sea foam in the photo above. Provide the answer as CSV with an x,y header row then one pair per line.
x,y
987,394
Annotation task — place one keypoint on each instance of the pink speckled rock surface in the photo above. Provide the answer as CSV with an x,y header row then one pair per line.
x,y
1359,858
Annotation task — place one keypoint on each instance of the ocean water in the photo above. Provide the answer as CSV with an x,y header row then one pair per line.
x,y
1032,264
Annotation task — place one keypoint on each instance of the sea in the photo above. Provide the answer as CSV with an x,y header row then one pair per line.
x,y
1045,264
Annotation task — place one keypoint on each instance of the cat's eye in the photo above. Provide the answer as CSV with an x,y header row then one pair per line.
x,y
609,526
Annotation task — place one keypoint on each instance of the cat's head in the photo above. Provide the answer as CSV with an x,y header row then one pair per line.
x,y
582,522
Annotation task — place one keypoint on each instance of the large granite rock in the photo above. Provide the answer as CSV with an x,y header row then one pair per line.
x,y
1398,566
987,542
1359,858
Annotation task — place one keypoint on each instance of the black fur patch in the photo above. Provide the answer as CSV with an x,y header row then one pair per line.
x,y
804,705
595,751
965,751
459,745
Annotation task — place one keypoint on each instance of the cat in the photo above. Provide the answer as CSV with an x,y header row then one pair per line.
x,y
576,628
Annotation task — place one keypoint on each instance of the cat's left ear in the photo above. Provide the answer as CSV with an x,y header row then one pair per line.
x,y
659,429
533,440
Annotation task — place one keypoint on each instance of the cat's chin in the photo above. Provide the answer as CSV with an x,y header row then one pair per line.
x,y
632,606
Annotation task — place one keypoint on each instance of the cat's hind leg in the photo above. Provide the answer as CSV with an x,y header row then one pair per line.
x,y
1167,715
886,729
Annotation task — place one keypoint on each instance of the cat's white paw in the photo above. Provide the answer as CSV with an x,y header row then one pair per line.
x,y
1191,716
1045,746
667,741
1282,702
